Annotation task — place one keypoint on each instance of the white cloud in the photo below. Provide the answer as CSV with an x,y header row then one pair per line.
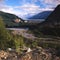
x,y
47,3
52,1
31,9
1,0
50,4
24,10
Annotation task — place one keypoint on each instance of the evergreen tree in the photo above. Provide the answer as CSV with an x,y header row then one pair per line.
x,y
4,35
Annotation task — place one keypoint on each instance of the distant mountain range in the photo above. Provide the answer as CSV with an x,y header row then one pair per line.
x,y
42,15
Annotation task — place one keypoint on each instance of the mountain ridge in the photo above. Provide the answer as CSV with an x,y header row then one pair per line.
x,y
42,15
51,25
10,19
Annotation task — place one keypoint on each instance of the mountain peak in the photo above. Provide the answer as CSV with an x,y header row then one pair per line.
x,y
58,5
51,26
55,15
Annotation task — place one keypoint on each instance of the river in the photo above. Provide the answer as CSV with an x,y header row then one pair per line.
x,y
17,28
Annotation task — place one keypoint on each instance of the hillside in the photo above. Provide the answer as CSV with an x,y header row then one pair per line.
x,y
10,19
51,26
55,15
53,19
42,15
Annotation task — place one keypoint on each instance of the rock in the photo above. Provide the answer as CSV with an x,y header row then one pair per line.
x,y
3,54
36,54
29,50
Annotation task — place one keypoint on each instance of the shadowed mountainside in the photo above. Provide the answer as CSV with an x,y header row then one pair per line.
x,y
9,18
42,15
51,26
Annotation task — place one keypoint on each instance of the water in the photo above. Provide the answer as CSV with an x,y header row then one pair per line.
x,y
17,28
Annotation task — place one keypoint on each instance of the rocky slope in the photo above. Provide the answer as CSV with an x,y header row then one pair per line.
x,y
36,54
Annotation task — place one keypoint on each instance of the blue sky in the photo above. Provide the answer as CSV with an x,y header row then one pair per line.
x,y
27,8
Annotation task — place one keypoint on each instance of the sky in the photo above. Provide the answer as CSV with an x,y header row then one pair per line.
x,y
27,8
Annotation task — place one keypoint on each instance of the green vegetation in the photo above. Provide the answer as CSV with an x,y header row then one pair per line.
x,y
19,43
7,40
4,35
9,19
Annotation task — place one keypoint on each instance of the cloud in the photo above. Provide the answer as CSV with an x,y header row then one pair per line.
x,y
21,11
24,10
1,0
50,3
28,9
31,9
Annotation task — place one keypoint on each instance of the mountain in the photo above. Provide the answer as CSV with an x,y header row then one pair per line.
x,y
42,15
51,26
53,19
10,19
55,15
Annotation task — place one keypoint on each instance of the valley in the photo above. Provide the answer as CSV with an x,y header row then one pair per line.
x,y
30,40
